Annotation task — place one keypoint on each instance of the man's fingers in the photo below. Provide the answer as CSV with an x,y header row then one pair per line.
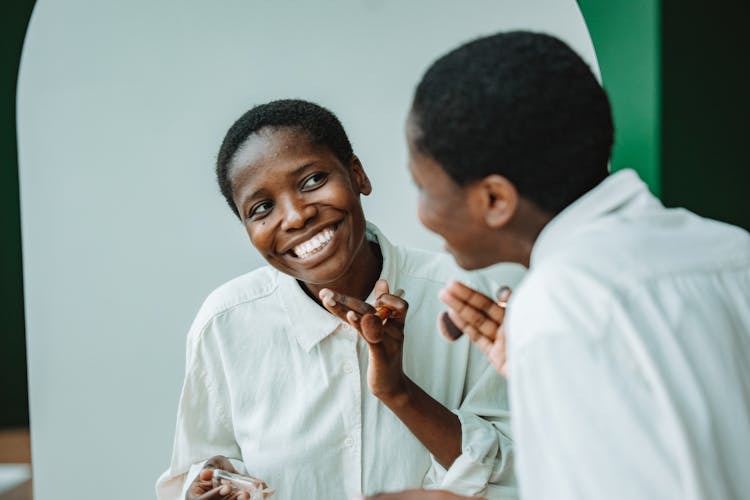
x,y
459,293
483,342
465,314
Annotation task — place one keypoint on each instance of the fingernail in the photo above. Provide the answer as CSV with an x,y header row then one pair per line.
x,y
329,301
225,490
502,295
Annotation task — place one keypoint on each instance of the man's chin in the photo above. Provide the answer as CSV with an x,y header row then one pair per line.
x,y
468,262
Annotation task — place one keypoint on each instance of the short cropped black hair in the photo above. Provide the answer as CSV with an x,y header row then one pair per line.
x,y
320,124
519,104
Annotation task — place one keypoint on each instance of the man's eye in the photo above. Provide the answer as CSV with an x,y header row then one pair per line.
x,y
314,180
260,209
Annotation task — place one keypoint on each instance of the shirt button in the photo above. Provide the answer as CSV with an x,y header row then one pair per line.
x,y
348,368
348,442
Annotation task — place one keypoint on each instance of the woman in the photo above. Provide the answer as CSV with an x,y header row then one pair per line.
x,y
281,389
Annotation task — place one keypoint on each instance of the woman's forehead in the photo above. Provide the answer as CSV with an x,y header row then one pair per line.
x,y
276,154
269,143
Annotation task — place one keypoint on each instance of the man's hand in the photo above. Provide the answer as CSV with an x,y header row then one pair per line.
x,y
385,375
202,488
480,318
417,495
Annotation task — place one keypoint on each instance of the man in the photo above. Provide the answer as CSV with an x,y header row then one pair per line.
x,y
629,339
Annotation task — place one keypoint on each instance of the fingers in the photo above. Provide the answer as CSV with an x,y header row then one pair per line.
x,y
484,342
381,287
352,310
395,307
371,328
474,308
223,492
464,297
219,462
464,316
339,304
203,488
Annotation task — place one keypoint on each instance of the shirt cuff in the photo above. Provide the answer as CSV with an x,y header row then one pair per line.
x,y
485,458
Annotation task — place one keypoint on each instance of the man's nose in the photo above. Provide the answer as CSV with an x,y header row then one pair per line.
x,y
297,212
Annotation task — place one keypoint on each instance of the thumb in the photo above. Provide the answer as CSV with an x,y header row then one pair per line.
x,y
372,329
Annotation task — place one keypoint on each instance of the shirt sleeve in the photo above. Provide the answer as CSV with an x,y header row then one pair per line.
x,y
485,466
584,421
204,427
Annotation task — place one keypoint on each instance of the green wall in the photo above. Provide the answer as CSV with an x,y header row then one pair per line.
x,y
14,409
676,73
626,36
706,108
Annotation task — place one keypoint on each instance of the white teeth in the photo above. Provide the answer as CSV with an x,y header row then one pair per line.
x,y
314,244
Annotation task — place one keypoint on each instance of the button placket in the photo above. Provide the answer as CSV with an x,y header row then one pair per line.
x,y
348,362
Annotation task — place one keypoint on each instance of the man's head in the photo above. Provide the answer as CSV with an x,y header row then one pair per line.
x,y
513,114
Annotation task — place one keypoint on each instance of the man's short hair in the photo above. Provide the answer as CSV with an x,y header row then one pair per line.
x,y
522,105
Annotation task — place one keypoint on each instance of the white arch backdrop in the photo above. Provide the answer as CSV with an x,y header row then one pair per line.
x,y
121,108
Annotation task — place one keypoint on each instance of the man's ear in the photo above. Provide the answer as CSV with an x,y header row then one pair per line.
x,y
359,177
499,200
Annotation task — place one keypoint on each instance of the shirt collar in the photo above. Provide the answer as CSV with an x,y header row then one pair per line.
x,y
620,190
310,323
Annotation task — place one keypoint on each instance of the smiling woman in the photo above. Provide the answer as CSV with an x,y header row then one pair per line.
x,y
279,385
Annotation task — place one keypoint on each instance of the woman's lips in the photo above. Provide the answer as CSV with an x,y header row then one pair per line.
x,y
315,244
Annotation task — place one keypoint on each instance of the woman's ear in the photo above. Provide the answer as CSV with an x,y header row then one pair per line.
x,y
359,177
499,200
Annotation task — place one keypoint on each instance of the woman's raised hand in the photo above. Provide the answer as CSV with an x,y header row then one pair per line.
x,y
385,376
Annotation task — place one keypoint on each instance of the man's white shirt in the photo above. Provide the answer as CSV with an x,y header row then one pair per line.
x,y
629,349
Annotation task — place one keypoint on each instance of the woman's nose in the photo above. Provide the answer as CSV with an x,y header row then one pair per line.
x,y
297,213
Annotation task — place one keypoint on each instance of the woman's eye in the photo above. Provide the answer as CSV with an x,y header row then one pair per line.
x,y
314,180
260,209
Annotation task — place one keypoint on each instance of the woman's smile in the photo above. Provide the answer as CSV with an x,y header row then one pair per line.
x,y
315,247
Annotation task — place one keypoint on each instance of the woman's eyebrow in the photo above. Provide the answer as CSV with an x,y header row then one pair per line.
x,y
299,170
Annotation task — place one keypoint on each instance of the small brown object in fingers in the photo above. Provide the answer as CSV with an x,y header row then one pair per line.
x,y
384,312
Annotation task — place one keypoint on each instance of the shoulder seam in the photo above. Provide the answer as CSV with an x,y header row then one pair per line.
x,y
229,308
